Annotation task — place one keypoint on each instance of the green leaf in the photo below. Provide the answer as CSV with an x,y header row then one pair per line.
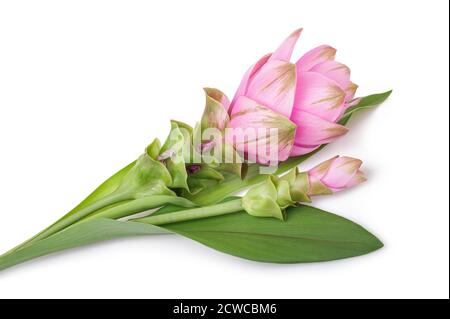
x,y
365,103
106,188
83,233
308,235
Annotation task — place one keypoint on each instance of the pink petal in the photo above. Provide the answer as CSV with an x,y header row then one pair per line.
x,y
315,56
320,170
313,131
252,122
341,172
285,50
335,71
299,149
350,91
247,78
319,95
274,86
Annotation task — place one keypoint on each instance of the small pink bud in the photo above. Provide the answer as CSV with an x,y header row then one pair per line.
x,y
336,174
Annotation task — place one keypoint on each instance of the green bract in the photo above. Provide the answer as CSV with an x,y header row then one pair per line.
x,y
262,200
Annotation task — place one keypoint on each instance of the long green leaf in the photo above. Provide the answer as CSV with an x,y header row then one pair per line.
x,y
308,235
80,234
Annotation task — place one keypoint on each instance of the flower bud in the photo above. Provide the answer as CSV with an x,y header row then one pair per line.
x,y
275,194
336,174
261,200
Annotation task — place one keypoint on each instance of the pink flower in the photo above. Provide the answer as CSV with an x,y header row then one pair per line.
x,y
312,94
249,130
334,175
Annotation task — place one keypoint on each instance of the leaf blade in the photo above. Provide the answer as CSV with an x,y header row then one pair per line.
x,y
80,234
366,102
308,235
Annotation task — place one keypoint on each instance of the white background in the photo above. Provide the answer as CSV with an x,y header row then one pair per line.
x,y
85,85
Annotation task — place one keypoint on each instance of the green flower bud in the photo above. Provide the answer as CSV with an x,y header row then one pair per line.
x,y
261,200
275,194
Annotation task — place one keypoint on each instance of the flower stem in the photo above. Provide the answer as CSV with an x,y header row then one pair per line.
x,y
140,205
69,220
194,213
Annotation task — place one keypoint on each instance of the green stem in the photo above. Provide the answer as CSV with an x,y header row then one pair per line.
x,y
194,213
140,205
65,222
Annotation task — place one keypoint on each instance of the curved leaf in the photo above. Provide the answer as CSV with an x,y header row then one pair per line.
x,y
83,233
308,235
365,103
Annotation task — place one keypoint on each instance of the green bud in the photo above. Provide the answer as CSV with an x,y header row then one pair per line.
x,y
261,200
299,187
275,194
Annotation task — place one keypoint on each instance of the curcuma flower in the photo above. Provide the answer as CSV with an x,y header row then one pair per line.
x,y
273,196
303,101
313,93
186,185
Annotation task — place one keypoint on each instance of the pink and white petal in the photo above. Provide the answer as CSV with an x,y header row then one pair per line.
x,y
242,89
319,95
248,129
335,71
274,86
341,172
298,149
315,56
312,130
285,50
